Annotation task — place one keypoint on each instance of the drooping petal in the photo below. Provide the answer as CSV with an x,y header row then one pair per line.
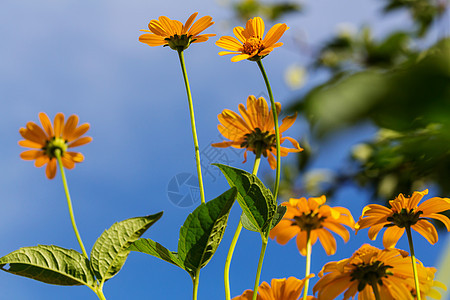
x,y
427,230
327,240
50,171
443,218
67,162
41,161
284,232
392,235
288,122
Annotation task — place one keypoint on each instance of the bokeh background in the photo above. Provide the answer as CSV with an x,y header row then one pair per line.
x,y
370,80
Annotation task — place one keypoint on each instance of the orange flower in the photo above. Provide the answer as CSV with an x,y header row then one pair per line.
x,y
50,139
280,289
255,129
404,212
389,270
251,44
172,33
311,215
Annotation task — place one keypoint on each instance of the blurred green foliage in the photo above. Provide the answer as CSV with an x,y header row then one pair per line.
x,y
248,9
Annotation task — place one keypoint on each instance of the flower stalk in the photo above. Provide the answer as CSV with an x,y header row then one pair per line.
x,y
69,202
260,263
277,129
236,235
195,281
413,261
194,131
308,264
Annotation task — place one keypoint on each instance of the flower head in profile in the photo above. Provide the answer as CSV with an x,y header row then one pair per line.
x,y
172,33
250,43
255,130
279,289
48,140
404,212
312,216
388,270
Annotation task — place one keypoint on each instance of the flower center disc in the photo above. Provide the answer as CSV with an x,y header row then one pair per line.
x,y
253,46
259,140
370,273
308,222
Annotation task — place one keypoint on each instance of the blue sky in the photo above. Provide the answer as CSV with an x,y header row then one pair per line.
x,y
80,57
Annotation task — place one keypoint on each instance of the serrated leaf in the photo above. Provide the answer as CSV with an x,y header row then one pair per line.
x,y
110,251
281,210
203,230
155,249
49,264
255,199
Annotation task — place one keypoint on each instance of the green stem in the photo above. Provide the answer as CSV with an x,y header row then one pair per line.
x,y
100,295
260,263
69,202
194,131
413,261
277,129
376,292
308,264
195,282
226,273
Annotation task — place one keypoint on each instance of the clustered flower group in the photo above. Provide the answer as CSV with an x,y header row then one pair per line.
x,y
373,273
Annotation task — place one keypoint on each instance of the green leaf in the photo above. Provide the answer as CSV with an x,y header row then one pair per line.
x,y
49,264
110,251
255,199
247,224
281,210
155,249
203,230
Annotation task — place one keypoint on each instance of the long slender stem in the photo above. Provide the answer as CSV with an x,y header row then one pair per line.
x,y
258,271
308,264
277,129
226,273
194,131
69,203
376,292
195,282
413,261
